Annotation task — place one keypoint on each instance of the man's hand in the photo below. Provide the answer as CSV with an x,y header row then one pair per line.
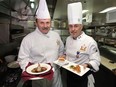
x,y
87,65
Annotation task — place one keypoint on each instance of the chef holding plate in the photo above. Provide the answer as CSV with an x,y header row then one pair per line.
x,y
42,46
80,48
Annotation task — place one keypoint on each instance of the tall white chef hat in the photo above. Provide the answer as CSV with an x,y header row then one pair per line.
x,y
42,11
75,13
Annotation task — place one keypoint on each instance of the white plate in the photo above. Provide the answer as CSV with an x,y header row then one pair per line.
x,y
61,63
83,70
67,67
37,78
29,69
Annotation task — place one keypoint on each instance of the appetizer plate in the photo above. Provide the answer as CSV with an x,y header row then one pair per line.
x,y
37,78
67,64
61,63
82,69
31,67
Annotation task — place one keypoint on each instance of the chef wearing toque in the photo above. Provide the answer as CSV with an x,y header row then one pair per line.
x,y
42,46
80,48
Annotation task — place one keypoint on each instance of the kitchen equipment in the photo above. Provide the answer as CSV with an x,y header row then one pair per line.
x,y
13,65
10,58
3,67
3,71
12,78
113,34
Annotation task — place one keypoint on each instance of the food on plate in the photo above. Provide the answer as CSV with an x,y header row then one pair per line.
x,y
61,59
72,66
38,69
76,68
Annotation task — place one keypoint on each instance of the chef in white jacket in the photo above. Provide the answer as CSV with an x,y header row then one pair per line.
x,y
80,48
42,46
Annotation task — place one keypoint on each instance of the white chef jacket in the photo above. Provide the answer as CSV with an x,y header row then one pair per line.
x,y
40,48
87,50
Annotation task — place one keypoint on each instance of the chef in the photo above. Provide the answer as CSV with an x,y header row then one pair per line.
x,y
80,48
42,46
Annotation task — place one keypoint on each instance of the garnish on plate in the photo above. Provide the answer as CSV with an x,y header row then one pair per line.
x,y
76,68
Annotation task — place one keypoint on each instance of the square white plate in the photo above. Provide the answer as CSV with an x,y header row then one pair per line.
x,y
67,67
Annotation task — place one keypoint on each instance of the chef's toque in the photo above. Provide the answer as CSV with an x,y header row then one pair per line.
x,y
42,11
75,13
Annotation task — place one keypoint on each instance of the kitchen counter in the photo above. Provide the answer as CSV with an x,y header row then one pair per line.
x,y
109,64
105,76
106,62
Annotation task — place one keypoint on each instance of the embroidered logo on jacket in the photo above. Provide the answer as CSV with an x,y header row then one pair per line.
x,y
83,48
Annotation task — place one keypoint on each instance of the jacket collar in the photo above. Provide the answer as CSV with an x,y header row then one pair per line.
x,y
80,37
46,35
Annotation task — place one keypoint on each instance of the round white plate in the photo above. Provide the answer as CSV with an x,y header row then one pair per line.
x,y
29,69
37,78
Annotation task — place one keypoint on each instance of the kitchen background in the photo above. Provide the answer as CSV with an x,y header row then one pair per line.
x,y
17,20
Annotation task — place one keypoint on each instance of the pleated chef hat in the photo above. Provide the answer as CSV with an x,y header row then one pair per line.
x,y
75,13
42,11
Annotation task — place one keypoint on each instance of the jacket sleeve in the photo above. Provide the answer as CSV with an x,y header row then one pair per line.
x,y
23,56
94,56
61,48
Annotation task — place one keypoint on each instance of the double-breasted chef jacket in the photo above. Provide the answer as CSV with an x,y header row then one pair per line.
x,y
83,50
37,47
40,48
